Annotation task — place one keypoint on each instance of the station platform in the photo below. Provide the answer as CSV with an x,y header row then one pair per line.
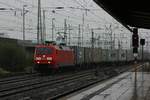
x,y
126,86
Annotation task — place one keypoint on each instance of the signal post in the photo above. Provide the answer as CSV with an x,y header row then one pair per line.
x,y
135,42
135,45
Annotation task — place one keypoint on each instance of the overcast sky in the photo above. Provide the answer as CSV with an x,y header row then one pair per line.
x,y
73,12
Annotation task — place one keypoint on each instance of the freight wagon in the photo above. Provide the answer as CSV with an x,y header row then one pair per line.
x,y
56,56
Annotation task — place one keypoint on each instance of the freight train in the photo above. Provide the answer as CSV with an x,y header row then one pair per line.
x,y
55,56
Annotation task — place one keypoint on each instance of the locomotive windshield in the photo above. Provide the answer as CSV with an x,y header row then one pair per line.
x,y
43,51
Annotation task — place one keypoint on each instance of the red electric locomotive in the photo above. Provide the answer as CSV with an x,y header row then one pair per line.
x,y
53,56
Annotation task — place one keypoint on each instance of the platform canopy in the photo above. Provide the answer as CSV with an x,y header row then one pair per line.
x,y
134,13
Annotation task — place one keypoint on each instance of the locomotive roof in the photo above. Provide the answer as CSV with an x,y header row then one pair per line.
x,y
58,47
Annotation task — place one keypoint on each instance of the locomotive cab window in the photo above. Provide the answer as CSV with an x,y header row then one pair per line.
x,y
43,50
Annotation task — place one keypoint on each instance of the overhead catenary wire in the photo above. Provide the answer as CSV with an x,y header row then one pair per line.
x,y
90,11
13,8
36,7
73,18
83,8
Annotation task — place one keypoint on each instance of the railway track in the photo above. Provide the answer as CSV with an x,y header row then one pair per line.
x,y
17,78
21,87
91,82
53,87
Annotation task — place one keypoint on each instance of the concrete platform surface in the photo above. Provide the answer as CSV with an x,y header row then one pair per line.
x,y
123,87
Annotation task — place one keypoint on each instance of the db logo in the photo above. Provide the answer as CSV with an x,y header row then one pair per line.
x,y
43,55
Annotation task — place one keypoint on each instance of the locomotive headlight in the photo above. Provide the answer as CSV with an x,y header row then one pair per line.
x,y
49,62
49,58
38,58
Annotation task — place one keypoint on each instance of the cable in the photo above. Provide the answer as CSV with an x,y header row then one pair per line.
x,y
87,2
72,17
6,4
76,18
34,6
89,10
12,7
80,16
63,3
13,21
15,8
29,4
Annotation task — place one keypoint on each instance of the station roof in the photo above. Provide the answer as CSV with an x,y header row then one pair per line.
x,y
134,13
